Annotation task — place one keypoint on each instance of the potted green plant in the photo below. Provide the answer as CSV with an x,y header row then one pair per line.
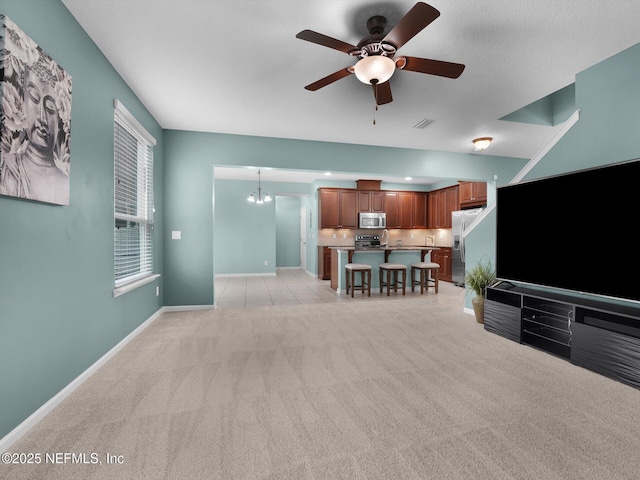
x,y
477,279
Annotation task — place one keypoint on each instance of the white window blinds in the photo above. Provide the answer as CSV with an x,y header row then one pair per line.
x,y
133,187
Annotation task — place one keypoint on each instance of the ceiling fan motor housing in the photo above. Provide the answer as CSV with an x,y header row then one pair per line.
x,y
372,44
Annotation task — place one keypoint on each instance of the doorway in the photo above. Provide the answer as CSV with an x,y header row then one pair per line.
x,y
303,238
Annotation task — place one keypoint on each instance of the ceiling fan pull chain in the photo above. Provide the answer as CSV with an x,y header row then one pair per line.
x,y
375,96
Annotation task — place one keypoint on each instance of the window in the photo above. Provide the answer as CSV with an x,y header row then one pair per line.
x,y
133,212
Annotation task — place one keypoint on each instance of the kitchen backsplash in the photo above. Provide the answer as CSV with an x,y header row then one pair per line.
x,y
346,238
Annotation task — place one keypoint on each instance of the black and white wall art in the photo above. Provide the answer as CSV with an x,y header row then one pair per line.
x,y
35,120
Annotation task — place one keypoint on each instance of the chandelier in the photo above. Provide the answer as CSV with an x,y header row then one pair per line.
x,y
259,199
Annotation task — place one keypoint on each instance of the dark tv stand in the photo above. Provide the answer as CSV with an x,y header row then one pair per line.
x,y
598,335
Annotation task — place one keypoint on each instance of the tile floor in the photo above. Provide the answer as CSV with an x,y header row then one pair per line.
x,y
295,286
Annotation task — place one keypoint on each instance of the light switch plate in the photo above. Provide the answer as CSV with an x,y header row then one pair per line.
x,y
176,235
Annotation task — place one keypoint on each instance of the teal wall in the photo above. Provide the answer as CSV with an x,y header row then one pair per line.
x,y
553,109
57,311
288,231
210,241
608,131
608,96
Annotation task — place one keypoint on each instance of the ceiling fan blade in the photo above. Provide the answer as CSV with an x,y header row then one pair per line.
x,y
411,24
382,92
320,39
431,67
323,82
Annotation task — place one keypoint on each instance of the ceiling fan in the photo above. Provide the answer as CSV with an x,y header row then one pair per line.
x,y
376,54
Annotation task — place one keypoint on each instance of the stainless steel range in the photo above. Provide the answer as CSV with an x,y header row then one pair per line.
x,y
365,241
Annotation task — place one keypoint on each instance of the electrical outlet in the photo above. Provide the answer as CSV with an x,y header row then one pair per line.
x,y
344,235
412,235
157,291
266,262
335,236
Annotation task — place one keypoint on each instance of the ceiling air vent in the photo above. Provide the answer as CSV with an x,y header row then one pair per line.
x,y
424,123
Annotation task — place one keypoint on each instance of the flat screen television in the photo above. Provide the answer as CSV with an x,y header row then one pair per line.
x,y
576,231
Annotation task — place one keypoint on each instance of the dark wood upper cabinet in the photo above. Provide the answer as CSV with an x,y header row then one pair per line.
x,y
371,201
399,209
391,207
420,202
338,208
329,208
441,203
452,195
473,194
348,209
451,204
433,208
405,213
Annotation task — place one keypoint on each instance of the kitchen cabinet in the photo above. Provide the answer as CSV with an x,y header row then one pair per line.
x,y
473,194
371,201
406,209
435,200
324,263
338,208
452,203
440,205
391,207
443,257
420,202
334,269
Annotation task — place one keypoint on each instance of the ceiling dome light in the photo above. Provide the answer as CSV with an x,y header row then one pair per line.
x,y
374,69
482,142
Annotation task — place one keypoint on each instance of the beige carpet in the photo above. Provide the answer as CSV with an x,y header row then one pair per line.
x,y
407,388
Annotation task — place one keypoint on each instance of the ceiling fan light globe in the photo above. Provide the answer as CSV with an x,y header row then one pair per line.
x,y
374,69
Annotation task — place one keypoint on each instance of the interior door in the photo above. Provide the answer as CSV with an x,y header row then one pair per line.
x,y
303,238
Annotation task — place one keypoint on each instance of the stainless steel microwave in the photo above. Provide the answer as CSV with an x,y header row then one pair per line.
x,y
372,220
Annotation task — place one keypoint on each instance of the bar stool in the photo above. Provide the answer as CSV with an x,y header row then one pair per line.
x,y
392,268
426,270
365,277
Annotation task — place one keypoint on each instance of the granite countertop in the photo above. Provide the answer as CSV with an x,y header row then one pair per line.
x,y
390,247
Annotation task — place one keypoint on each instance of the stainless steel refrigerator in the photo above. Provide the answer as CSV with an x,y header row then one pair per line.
x,y
460,220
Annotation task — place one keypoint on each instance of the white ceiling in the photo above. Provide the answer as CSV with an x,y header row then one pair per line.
x,y
236,67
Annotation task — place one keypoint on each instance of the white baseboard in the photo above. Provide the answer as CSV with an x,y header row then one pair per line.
x,y
187,308
14,435
231,275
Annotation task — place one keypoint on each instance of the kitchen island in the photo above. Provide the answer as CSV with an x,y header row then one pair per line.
x,y
374,256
